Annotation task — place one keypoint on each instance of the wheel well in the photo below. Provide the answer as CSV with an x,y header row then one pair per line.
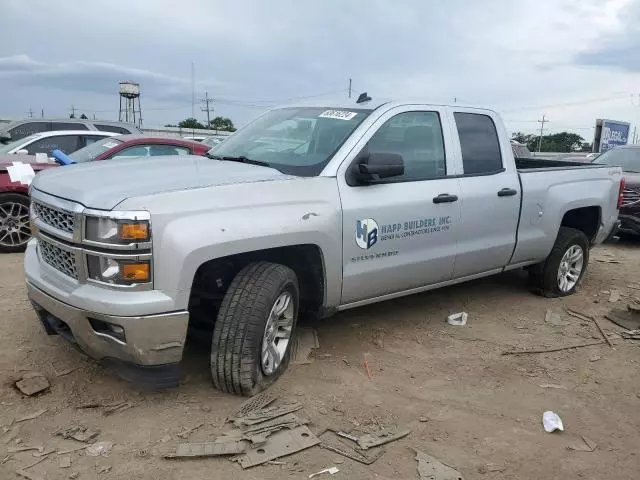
x,y
212,279
585,219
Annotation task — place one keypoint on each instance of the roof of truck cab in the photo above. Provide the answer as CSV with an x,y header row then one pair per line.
x,y
373,104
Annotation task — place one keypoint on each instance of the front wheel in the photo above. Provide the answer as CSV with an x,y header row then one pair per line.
x,y
564,268
15,231
252,335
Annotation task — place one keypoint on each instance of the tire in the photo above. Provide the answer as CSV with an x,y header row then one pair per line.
x,y
15,231
240,332
545,277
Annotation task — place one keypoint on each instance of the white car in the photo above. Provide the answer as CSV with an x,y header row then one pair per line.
x,y
66,140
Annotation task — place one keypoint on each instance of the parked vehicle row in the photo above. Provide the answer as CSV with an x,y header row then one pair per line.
x,y
46,142
14,201
23,128
308,210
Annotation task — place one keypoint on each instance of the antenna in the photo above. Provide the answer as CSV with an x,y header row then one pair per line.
x,y
363,98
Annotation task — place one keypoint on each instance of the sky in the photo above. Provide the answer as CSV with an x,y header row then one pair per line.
x,y
571,60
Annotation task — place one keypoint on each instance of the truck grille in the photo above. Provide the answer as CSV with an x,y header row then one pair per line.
x,y
630,196
58,258
60,219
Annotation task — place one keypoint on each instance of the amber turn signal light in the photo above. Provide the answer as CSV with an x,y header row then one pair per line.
x,y
134,231
135,272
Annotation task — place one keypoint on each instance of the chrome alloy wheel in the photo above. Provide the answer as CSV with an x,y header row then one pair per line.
x,y
570,268
14,224
277,333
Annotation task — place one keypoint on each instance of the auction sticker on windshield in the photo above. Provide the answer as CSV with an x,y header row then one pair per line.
x,y
338,114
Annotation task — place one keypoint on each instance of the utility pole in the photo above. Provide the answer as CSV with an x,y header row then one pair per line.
x,y
73,112
349,87
42,113
206,101
30,112
541,122
193,90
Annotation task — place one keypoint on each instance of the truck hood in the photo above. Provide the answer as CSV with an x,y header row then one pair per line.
x,y
103,185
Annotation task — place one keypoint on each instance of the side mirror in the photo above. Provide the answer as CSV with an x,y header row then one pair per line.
x,y
22,151
377,166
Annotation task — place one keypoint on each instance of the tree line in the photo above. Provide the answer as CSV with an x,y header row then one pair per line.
x,y
557,142
218,123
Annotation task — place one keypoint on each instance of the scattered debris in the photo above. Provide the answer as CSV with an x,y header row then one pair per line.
x,y
32,383
582,316
5,460
142,453
25,448
323,411
13,433
348,452
365,364
614,296
27,475
264,414
224,445
31,416
100,449
624,318
257,402
258,433
74,475
606,260
64,461
71,450
594,358
551,422
554,319
423,419
378,338
368,441
274,462
491,467
33,464
553,385
430,468
282,443
103,469
589,445
306,341
188,431
66,371
458,319
631,335
550,350
330,471
79,433
117,407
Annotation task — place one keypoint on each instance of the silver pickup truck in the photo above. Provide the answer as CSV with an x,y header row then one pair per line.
x,y
308,210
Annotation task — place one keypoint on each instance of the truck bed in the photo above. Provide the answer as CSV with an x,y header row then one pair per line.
x,y
524,164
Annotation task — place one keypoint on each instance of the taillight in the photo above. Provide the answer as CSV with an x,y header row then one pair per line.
x,y
621,193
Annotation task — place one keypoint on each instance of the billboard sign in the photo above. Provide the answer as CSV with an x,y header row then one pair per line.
x,y
610,133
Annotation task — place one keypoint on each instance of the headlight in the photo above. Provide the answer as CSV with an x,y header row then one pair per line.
x,y
116,231
118,272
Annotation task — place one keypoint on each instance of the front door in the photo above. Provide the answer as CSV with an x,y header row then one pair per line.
x,y
401,232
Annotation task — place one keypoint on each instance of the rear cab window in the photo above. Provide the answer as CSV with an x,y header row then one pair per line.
x,y
479,143
112,129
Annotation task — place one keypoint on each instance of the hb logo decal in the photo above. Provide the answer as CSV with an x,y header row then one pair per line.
x,y
366,233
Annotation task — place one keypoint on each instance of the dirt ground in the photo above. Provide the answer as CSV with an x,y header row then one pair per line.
x,y
481,410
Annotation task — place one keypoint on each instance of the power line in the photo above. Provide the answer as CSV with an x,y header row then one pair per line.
x,y
570,104
206,107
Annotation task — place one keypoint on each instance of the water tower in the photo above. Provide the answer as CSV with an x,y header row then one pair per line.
x,y
130,110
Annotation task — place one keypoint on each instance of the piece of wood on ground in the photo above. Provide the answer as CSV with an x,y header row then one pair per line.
x,y
367,440
590,318
30,416
28,475
280,444
117,407
225,445
430,468
184,434
624,318
32,384
306,341
264,414
588,446
78,432
550,350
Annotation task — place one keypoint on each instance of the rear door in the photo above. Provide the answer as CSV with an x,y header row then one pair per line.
x,y
66,143
490,194
401,233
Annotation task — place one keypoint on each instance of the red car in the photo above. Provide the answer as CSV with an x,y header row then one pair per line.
x,y
14,201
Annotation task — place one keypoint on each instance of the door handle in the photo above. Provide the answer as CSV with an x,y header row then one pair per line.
x,y
445,198
507,192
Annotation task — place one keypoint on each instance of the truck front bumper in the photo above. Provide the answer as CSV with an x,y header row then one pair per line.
x,y
145,348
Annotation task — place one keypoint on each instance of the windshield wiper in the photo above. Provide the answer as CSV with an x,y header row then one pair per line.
x,y
241,159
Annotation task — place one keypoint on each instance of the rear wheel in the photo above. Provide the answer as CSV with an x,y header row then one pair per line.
x,y
252,336
564,268
15,231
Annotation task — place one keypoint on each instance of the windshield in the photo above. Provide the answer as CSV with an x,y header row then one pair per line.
x,y
627,158
296,141
23,141
90,152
